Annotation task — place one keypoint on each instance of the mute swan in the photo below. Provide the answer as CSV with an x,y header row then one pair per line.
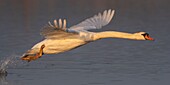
x,y
59,39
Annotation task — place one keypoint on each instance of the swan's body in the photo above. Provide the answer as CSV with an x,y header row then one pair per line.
x,y
59,39
58,46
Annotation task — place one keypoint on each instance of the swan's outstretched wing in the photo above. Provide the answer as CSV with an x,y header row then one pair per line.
x,y
95,22
57,31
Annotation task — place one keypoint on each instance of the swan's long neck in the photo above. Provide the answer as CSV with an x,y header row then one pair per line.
x,y
114,34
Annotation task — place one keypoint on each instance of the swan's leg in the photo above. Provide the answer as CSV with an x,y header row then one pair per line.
x,y
40,55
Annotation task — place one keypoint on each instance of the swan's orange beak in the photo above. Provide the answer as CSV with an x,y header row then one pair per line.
x,y
147,37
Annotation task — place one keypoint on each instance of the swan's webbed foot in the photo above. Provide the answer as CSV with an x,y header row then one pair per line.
x,y
30,57
35,56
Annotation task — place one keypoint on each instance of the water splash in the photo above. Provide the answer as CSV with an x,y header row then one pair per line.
x,y
6,62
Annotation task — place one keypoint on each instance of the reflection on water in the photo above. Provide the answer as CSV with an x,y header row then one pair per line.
x,y
104,62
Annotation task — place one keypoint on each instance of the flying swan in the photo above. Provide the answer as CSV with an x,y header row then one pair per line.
x,y
59,38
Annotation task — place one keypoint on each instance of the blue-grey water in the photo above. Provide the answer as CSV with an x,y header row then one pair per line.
x,y
103,62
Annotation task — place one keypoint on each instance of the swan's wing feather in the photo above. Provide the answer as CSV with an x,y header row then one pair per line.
x,y
58,30
95,22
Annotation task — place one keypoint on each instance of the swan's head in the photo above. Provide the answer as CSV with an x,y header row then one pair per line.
x,y
143,36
